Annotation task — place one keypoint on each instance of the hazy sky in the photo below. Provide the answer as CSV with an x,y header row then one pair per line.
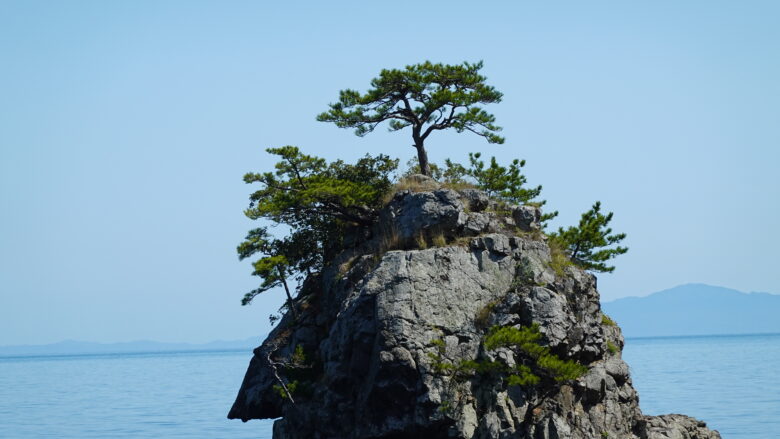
x,y
126,127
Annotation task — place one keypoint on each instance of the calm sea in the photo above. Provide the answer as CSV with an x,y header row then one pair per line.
x,y
732,382
159,395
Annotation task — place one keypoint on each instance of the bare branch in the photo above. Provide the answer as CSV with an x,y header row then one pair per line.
x,y
272,364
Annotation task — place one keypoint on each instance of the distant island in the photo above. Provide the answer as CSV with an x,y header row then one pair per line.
x,y
696,309
72,347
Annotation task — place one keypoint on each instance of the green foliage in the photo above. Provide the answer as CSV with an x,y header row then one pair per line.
x,y
316,200
463,368
561,370
588,244
425,97
523,377
605,320
506,183
274,268
533,362
439,365
450,174
298,357
484,367
502,182
470,366
292,386
612,348
437,358
525,341
445,406
305,186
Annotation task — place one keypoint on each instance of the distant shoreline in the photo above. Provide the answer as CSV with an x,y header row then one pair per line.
x,y
750,334
696,310
119,353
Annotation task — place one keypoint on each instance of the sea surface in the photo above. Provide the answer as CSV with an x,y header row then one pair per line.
x,y
155,395
731,382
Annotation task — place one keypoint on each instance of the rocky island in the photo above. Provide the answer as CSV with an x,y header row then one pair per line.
x,y
452,318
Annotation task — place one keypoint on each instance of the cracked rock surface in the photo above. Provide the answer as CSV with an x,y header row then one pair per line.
x,y
376,328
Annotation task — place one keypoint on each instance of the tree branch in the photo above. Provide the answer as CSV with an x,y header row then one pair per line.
x,y
408,108
272,364
446,124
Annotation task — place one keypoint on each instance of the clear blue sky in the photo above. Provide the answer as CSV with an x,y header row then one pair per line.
x,y
125,129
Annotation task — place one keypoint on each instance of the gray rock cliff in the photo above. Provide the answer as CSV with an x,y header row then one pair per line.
x,y
383,330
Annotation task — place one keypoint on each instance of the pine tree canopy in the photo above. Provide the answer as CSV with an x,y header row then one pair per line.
x,y
587,244
305,186
316,201
426,97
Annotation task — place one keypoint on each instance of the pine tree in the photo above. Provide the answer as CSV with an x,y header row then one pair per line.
x,y
506,183
316,201
586,245
426,97
274,267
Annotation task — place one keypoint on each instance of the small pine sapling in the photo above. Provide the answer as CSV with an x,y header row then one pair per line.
x,y
588,244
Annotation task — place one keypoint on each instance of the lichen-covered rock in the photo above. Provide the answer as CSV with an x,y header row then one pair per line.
x,y
476,200
382,339
411,213
527,218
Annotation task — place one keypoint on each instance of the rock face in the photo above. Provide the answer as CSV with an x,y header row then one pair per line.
x,y
376,350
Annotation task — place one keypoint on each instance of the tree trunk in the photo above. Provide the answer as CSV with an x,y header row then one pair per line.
x,y
287,290
422,158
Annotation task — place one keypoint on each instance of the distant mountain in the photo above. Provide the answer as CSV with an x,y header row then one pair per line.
x,y
696,309
72,347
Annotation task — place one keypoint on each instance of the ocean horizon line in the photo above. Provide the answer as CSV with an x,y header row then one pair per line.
x,y
746,334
